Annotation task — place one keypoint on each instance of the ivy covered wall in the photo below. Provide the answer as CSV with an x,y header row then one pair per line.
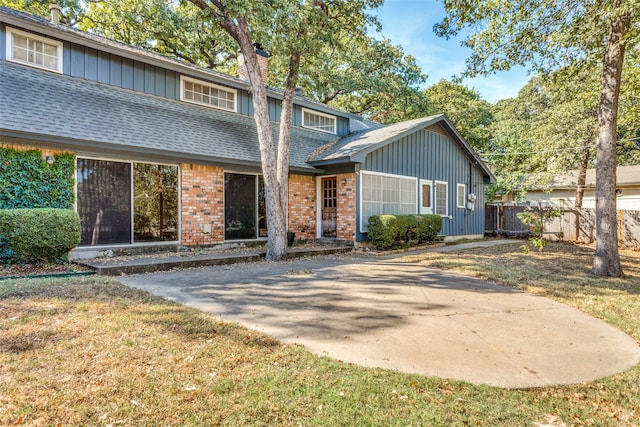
x,y
28,181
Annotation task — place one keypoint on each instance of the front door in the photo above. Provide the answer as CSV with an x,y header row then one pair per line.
x,y
329,210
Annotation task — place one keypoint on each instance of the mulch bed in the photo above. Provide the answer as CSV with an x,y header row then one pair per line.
x,y
26,270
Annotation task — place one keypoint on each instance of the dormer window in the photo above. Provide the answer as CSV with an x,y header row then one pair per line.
x,y
318,121
35,51
208,94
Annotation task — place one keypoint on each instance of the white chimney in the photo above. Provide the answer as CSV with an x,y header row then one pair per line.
x,y
55,13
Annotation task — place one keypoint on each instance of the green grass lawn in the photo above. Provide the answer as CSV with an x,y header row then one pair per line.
x,y
90,351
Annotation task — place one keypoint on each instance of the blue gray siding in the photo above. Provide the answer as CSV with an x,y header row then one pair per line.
x,y
432,156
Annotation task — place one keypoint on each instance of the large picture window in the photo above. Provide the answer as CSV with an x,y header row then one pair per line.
x,y
386,194
124,202
244,207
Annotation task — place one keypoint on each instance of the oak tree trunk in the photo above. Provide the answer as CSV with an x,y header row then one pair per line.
x,y
582,173
607,259
276,215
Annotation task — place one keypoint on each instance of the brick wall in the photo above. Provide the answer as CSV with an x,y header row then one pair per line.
x,y
302,206
202,204
346,207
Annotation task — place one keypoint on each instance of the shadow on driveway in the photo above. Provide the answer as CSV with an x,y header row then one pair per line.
x,y
389,314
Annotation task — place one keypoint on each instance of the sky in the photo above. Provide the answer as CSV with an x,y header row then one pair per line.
x,y
409,23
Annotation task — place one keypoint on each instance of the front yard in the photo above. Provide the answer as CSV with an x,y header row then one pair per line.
x,y
89,351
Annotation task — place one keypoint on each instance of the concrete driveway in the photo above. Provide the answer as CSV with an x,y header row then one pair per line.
x,y
380,312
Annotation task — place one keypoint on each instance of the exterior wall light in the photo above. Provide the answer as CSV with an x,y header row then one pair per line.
x,y
49,160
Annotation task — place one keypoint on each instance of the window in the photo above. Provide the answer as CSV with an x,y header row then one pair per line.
x,y
386,194
33,50
461,193
440,198
124,202
244,206
208,94
426,203
318,121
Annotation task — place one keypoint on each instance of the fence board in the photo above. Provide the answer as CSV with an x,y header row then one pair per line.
x,y
575,225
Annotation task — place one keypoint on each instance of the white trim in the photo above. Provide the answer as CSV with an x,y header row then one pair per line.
x,y
388,175
317,113
435,198
184,79
464,196
421,208
55,43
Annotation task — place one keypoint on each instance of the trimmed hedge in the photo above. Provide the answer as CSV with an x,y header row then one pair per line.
x,y
392,231
37,235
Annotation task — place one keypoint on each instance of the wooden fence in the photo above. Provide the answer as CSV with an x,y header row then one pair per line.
x,y
575,225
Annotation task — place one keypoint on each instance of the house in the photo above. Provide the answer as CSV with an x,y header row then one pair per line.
x,y
561,191
167,152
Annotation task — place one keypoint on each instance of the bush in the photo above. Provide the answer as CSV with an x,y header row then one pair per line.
x,y
388,231
36,235
27,181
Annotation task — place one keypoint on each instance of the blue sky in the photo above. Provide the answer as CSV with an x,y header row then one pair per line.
x,y
409,23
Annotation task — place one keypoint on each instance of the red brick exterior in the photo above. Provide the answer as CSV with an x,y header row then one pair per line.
x,y
302,206
346,204
202,204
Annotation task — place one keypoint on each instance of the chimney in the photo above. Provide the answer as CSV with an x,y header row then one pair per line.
x,y
263,63
298,91
55,13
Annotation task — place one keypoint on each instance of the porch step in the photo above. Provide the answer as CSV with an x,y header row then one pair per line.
x,y
150,264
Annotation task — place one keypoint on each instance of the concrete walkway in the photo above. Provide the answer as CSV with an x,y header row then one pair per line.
x,y
381,312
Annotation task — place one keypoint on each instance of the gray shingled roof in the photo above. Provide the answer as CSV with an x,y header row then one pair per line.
x,y
43,105
354,147
65,32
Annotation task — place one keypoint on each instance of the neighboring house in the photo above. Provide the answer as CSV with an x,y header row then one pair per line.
x,y
561,192
167,152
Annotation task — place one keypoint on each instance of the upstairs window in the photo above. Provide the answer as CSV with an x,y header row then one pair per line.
x,y
208,94
33,50
318,121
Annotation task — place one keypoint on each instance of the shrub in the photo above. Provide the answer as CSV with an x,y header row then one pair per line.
x,y
27,181
388,231
33,235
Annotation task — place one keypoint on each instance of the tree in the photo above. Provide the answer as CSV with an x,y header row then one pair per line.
x,y
365,76
546,35
470,114
297,29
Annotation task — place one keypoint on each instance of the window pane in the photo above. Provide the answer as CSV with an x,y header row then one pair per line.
x,y
319,122
441,198
387,195
155,202
104,201
426,196
262,209
461,194
240,209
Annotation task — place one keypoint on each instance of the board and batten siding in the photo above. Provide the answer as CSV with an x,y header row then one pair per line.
x,y
432,156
